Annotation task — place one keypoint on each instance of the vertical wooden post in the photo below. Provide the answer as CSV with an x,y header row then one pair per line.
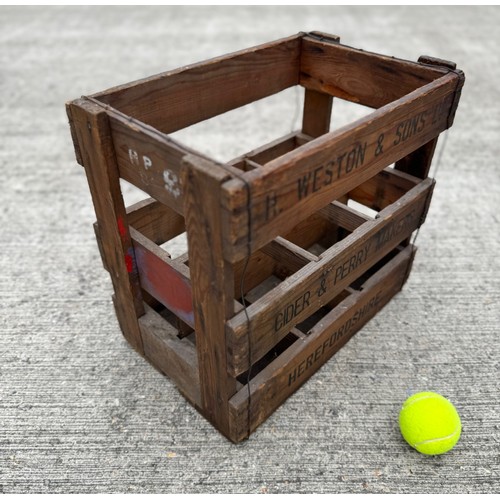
x,y
212,283
90,130
418,163
317,112
317,105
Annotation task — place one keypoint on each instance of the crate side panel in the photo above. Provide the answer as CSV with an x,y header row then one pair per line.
x,y
271,387
319,282
366,78
302,182
179,98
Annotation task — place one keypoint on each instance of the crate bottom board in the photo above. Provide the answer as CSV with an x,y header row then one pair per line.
x,y
254,402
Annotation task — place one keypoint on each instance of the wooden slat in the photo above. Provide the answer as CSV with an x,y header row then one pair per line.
x,y
344,216
98,238
270,388
289,255
302,182
149,160
155,220
92,132
359,76
270,150
179,98
213,285
259,267
174,357
383,189
317,283
165,279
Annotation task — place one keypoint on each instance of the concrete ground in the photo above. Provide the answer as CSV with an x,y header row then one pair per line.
x,y
80,412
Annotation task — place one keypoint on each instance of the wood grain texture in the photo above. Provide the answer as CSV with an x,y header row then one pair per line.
x,y
383,189
317,283
149,160
294,367
174,357
303,181
212,283
91,128
155,221
317,113
162,277
270,229
179,98
356,75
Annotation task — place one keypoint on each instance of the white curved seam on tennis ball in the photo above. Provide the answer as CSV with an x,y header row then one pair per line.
x,y
435,440
421,398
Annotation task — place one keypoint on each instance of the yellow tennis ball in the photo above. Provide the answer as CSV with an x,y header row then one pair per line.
x,y
430,423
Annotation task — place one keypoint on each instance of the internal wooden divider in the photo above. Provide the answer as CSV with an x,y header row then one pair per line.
x,y
314,285
346,217
179,98
383,189
285,255
287,372
155,221
274,149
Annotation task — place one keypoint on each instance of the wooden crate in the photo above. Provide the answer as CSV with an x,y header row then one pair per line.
x,y
292,247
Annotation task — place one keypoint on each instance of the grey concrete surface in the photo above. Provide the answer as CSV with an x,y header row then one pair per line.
x,y
80,412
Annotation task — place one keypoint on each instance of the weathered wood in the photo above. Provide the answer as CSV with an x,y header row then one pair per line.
x,y
259,267
155,220
213,285
288,254
269,151
302,182
91,129
149,160
383,189
435,61
344,216
273,385
179,98
97,233
359,76
165,279
271,229
174,357
317,283
418,162
317,113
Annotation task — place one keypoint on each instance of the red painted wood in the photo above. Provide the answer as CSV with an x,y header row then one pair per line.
x,y
165,283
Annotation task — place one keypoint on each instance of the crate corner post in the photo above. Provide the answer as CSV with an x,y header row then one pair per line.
x,y
94,150
213,286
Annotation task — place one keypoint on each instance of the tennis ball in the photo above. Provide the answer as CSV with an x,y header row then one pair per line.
x,y
430,423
